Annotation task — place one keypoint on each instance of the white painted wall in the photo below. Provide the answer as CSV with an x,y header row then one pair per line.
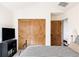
x,y
6,19
71,26
10,18
41,11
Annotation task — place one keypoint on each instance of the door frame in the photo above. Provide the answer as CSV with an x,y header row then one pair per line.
x,y
31,19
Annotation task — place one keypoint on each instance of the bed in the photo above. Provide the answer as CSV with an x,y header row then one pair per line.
x,y
48,51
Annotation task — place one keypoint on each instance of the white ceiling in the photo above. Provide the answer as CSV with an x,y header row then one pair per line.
x,y
13,6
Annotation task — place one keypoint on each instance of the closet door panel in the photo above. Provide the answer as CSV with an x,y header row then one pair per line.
x,y
32,31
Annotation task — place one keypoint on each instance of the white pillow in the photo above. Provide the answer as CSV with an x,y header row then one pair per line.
x,y
74,47
77,40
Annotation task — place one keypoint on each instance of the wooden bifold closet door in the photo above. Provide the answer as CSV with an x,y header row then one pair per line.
x,y
31,31
56,28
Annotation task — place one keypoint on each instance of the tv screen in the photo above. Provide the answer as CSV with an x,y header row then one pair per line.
x,y
8,33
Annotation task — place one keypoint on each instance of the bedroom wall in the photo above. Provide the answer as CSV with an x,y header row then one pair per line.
x,y
10,19
33,12
71,26
6,19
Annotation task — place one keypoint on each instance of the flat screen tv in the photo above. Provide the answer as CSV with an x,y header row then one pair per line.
x,y
8,33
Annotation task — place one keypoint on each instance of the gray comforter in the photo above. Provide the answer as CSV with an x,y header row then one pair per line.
x,y
47,51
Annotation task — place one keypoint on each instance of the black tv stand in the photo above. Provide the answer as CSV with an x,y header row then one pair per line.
x,y
8,48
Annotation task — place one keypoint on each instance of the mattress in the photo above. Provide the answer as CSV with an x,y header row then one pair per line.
x,y
48,51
